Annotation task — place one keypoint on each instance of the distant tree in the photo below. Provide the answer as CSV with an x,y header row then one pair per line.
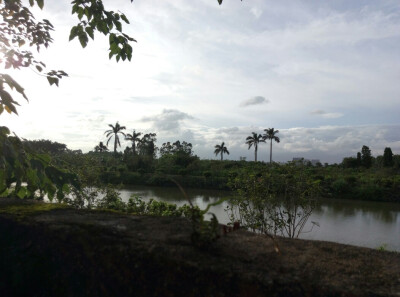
x,y
183,148
377,162
146,146
114,131
166,149
176,148
270,134
254,140
134,138
46,146
396,161
100,148
358,159
388,157
221,149
350,162
366,158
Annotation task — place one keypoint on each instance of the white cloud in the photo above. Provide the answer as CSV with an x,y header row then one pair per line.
x,y
256,12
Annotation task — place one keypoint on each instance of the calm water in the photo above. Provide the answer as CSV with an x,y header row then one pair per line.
x,y
362,223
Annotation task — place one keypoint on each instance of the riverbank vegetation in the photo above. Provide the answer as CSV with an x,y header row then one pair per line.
x,y
363,177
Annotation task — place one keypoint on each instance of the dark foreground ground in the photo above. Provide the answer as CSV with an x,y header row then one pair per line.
x,y
66,252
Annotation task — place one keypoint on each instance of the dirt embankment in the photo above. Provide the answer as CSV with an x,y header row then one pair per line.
x,y
66,252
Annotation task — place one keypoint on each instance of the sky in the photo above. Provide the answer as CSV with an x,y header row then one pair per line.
x,y
326,74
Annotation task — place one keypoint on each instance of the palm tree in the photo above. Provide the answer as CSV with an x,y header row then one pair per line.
x,y
270,134
254,140
114,131
100,147
134,137
221,149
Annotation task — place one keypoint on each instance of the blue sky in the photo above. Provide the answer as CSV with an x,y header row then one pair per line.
x,y
325,73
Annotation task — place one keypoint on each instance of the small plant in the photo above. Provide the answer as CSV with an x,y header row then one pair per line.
x,y
153,207
204,233
111,200
382,247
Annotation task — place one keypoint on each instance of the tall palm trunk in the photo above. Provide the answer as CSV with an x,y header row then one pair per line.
x,y
115,143
255,154
222,154
270,153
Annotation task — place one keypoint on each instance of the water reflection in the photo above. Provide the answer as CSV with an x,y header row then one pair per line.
x,y
363,223
337,208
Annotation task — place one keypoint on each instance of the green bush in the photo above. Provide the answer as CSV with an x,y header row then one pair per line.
x,y
369,192
340,187
111,200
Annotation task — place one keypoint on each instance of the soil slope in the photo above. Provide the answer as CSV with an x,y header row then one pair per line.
x,y
53,251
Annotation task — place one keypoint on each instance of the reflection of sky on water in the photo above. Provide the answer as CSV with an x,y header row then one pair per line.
x,y
362,223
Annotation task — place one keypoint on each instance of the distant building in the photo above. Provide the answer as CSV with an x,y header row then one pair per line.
x,y
242,158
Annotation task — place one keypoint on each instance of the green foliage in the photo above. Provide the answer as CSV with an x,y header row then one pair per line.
x,y
25,210
46,146
93,16
204,233
156,208
340,187
134,138
146,146
382,247
366,158
274,203
350,162
28,174
111,200
388,157
100,148
176,163
176,148
19,30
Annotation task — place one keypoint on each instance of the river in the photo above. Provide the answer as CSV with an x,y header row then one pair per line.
x,y
354,222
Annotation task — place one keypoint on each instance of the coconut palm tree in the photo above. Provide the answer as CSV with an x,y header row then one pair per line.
x,y
254,140
134,137
221,149
100,148
270,134
114,131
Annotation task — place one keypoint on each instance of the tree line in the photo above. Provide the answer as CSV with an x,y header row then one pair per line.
x,y
146,144
366,160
